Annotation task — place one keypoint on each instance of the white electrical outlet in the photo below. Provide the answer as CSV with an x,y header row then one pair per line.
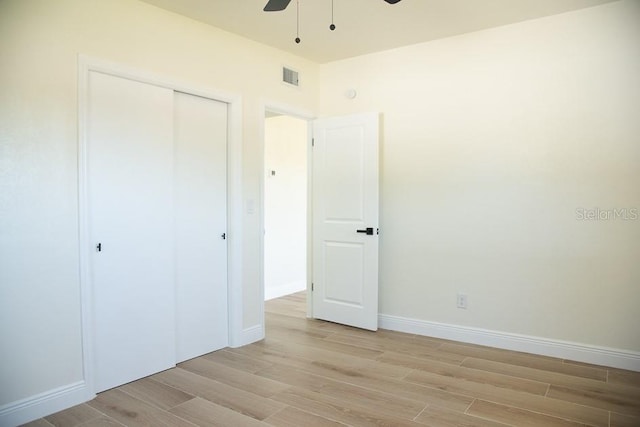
x,y
461,301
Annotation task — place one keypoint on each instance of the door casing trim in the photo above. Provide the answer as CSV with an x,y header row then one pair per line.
x,y
308,116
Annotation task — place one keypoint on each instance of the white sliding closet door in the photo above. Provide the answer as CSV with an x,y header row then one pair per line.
x,y
131,225
200,130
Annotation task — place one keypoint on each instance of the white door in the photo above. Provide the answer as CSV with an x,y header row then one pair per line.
x,y
201,217
130,203
345,220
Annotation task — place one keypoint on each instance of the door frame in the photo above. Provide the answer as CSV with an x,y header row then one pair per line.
x,y
87,64
308,116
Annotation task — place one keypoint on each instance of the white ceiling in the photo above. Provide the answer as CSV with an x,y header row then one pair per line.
x,y
363,26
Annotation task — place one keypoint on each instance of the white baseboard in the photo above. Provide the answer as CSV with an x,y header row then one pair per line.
x,y
615,358
52,401
43,404
286,289
248,336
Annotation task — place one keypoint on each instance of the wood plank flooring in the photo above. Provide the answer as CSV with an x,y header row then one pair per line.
x,y
314,373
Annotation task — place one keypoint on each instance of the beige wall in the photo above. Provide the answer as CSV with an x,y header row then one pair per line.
x,y
39,44
490,142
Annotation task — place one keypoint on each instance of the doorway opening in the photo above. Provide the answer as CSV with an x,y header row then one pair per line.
x,y
285,205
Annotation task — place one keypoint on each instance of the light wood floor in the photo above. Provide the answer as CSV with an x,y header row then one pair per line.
x,y
314,373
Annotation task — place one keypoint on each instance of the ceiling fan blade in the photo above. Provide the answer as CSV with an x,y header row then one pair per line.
x,y
276,5
392,1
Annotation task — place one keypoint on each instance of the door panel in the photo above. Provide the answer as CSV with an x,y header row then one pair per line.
x,y
344,270
344,157
200,209
345,200
130,190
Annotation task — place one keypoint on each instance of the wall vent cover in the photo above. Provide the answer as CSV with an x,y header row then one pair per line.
x,y
290,76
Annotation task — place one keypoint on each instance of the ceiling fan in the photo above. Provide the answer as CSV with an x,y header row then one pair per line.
x,y
277,5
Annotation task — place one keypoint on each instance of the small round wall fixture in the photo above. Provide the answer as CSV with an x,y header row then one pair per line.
x,y
351,93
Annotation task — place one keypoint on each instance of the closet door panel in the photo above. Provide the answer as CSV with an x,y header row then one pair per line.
x,y
131,222
200,160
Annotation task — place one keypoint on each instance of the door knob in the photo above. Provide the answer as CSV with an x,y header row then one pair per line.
x,y
368,231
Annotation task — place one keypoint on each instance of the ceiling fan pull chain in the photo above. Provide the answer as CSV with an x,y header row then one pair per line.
x,y
332,26
297,21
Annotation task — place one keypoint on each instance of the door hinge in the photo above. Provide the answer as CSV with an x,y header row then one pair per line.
x,y
311,287
313,142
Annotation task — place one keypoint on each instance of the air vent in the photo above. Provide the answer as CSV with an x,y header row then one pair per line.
x,y
289,76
